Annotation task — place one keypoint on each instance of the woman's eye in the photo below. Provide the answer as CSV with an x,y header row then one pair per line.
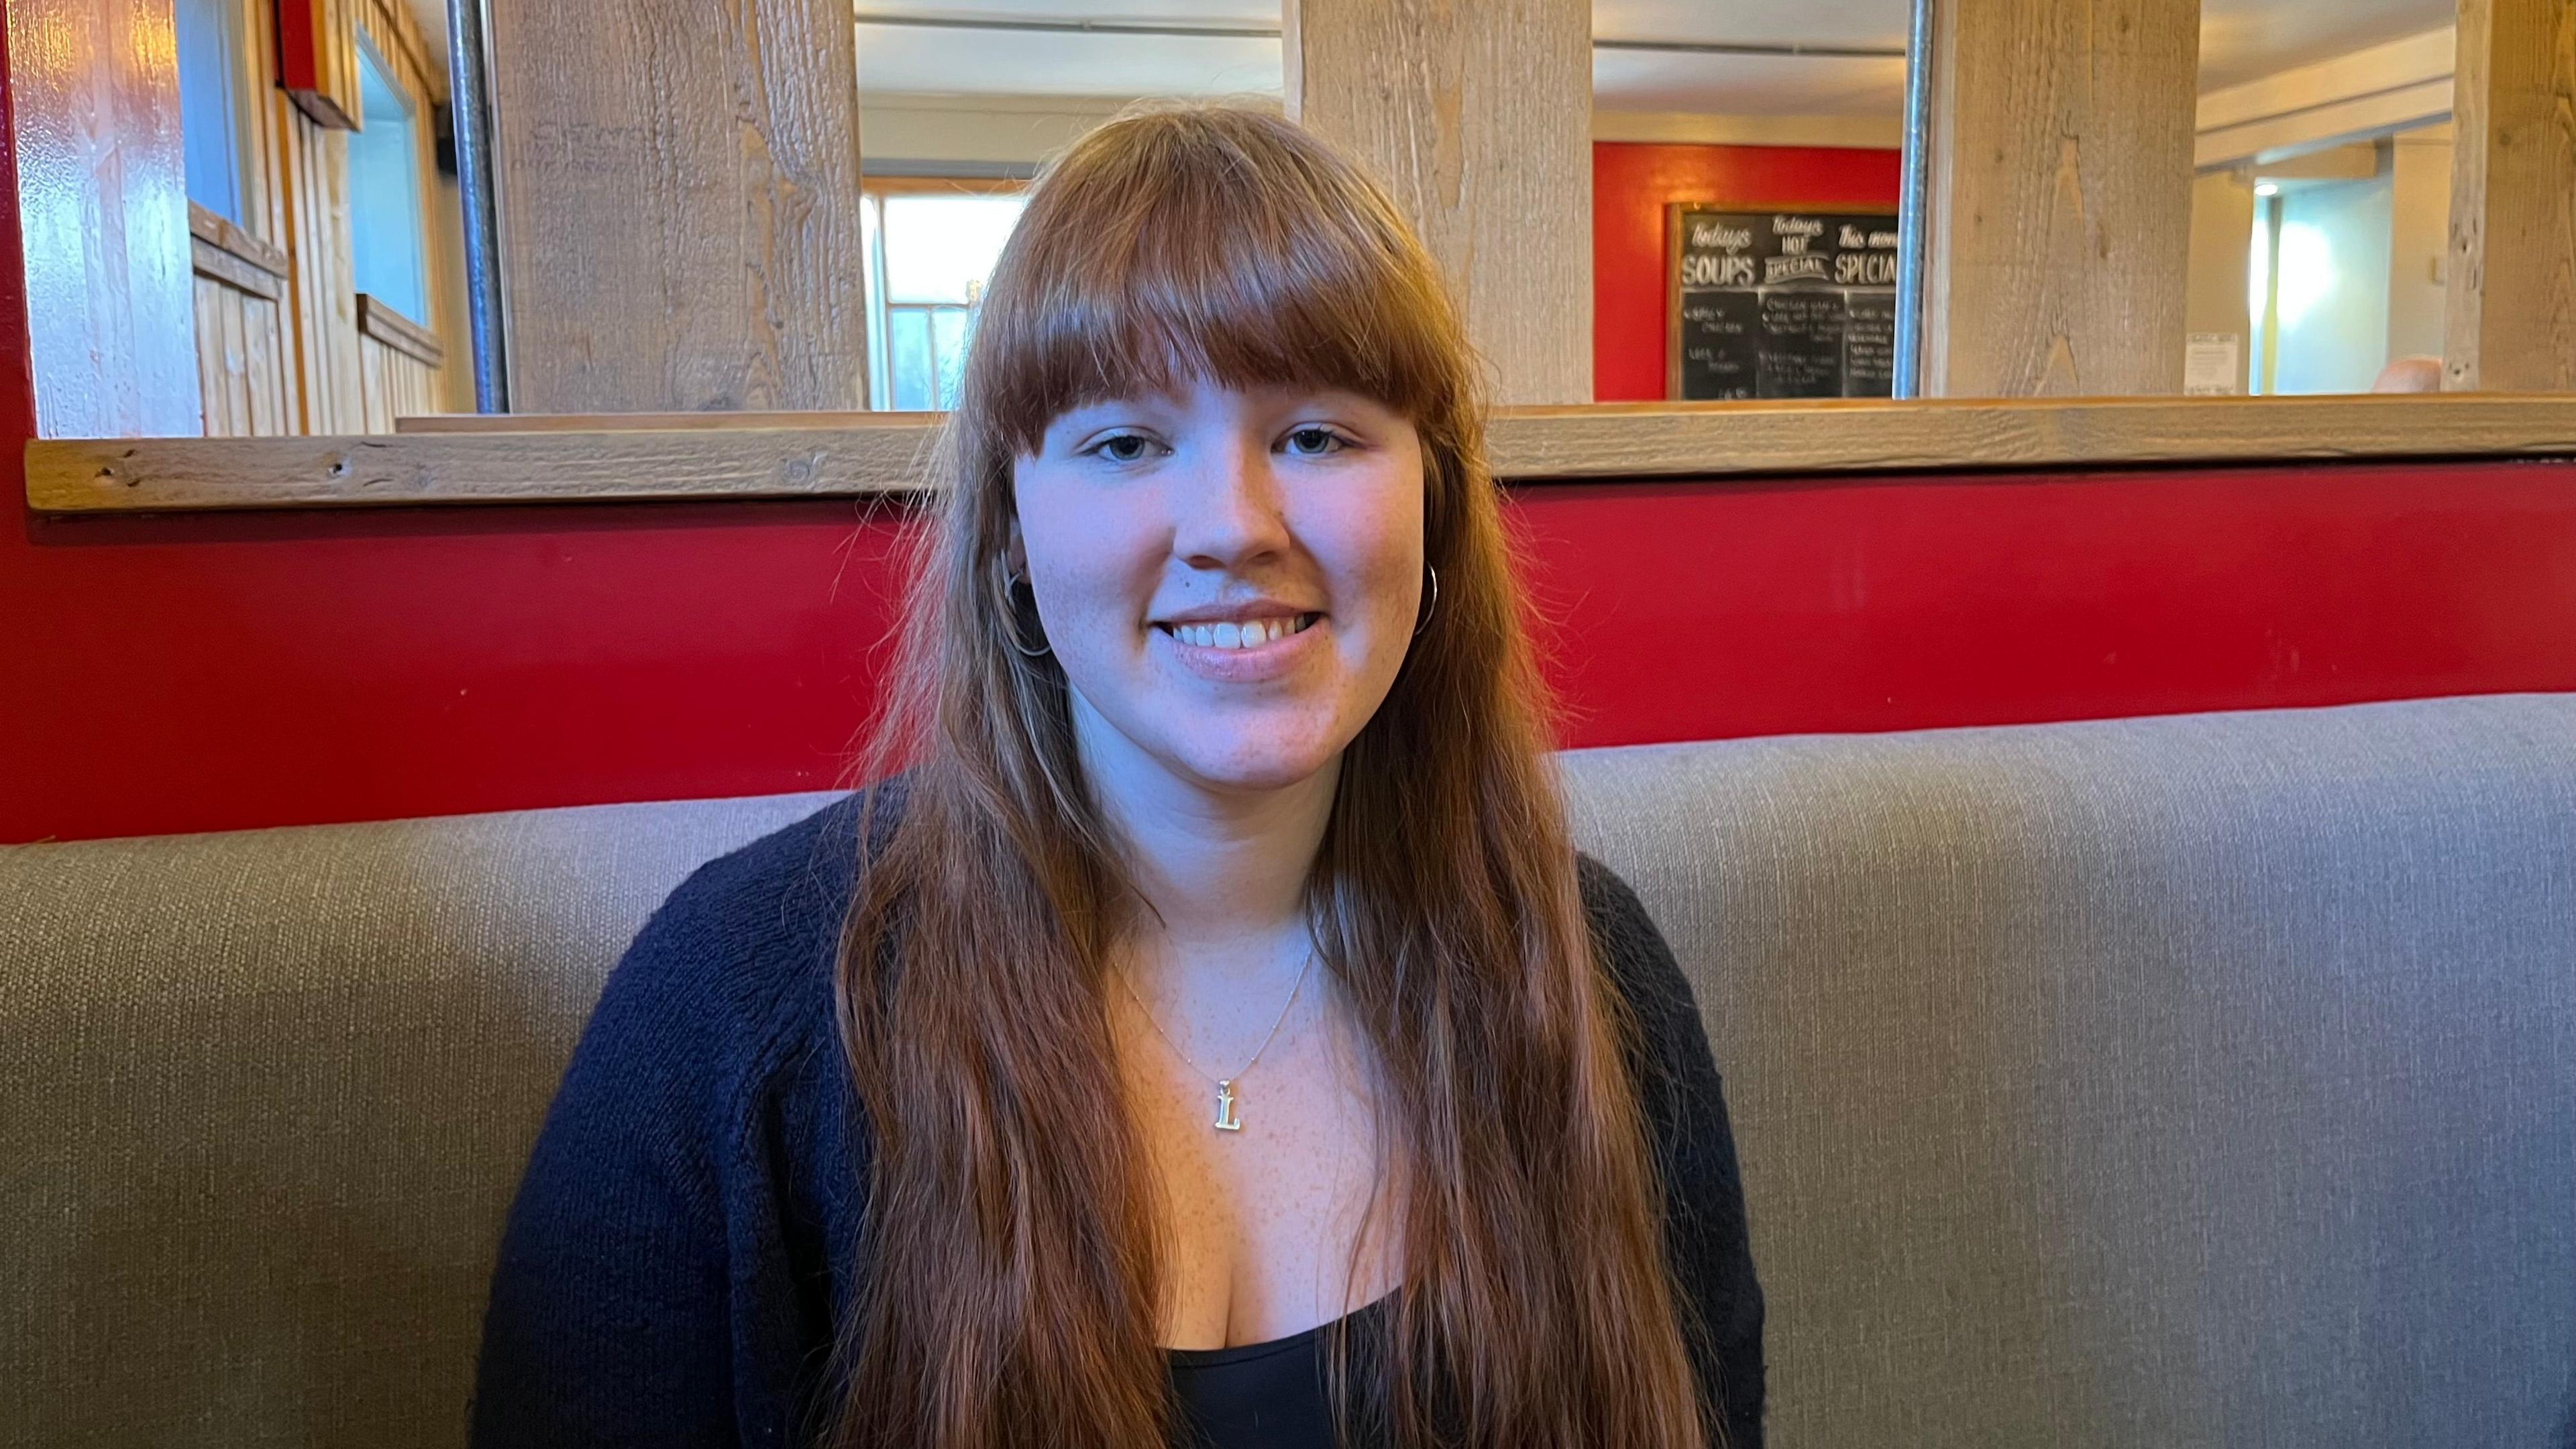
x,y
1124,448
1316,442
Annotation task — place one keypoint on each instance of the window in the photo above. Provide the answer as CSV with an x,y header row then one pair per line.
x,y
212,94
929,256
384,193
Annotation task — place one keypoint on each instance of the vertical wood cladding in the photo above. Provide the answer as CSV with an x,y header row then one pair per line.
x,y
2059,218
678,186
1478,119
2512,304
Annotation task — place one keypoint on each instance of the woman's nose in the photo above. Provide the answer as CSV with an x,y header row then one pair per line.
x,y
1227,509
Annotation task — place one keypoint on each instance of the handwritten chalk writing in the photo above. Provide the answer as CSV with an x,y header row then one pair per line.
x,y
1776,270
1705,271
1782,304
1865,269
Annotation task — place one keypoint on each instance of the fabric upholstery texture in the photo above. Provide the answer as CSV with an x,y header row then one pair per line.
x,y
2189,1081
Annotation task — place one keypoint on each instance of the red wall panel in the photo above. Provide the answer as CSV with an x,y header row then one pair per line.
x,y
1631,183
1689,611
191,674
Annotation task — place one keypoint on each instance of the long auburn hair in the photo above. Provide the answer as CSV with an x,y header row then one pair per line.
x,y
1013,1282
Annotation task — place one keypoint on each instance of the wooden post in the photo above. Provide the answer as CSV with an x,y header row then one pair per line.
x,y
2512,304
93,102
1478,119
2058,220
678,187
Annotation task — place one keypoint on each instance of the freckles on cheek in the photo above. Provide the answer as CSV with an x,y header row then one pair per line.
x,y
1379,549
1091,559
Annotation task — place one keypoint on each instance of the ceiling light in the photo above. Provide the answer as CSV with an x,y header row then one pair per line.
x,y
2267,189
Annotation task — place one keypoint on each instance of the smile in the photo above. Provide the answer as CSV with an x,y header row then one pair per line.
x,y
1249,634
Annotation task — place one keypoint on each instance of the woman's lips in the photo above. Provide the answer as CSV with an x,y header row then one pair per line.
x,y
1242,663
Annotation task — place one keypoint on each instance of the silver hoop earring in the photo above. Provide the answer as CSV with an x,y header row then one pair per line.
x,y
1011,617
1431,608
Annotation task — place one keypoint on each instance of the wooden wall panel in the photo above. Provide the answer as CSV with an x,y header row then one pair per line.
x,y
2057,233
1479,120
324,278
103,211
678,188
241,362
389,26
2511,322
399,366
242,349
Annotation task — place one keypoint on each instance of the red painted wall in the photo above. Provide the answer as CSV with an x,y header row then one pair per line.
x,y
1631,183
193,674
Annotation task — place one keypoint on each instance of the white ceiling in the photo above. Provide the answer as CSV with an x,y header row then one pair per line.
x,y
2241,40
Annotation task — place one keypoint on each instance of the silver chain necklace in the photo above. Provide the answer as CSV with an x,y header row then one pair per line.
x,y
1226,1120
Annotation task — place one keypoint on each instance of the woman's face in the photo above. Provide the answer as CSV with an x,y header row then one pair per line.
x,y
1229,579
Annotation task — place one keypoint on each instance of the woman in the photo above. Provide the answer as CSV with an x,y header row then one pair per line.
x,y
1212,1036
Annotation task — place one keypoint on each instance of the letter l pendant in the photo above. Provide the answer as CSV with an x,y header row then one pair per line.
x,y
1225,1118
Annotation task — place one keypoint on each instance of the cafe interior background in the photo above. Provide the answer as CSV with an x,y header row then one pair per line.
x,y
427,410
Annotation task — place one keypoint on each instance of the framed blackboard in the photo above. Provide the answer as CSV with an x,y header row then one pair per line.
x,y
1779,302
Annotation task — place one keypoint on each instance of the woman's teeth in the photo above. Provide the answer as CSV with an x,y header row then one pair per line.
x,y
1251,634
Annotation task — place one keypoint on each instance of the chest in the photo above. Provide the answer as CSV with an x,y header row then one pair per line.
x,y
1266,1223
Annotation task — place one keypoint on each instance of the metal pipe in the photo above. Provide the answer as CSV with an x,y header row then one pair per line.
x,y
1914,205
1272,32
468,73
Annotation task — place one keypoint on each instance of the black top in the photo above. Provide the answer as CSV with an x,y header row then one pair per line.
x,y
1262,1395
689,1232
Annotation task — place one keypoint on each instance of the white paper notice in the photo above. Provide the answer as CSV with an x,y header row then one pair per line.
x,y
2213,364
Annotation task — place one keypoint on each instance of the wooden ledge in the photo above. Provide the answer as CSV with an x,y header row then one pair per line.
x,y
397,331
232,256
790,455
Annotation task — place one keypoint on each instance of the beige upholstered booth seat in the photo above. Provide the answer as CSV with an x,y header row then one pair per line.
x,y
2195,1081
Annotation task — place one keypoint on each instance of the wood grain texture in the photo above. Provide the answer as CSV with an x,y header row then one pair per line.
x,y
679,204
216,232
2057,233
390,27
407,468
391,328
264,230
103,211
1478,120
661,422
241,370
2511,313
469,461
397,384
323,275
214,262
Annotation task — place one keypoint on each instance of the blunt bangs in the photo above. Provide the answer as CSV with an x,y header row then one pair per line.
x,y
1232,255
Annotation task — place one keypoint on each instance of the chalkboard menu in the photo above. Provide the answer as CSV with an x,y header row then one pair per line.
x,y
1780,303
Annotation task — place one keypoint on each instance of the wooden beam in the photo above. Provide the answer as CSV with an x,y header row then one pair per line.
x,y
1478,119
93,100
568,460
2512,304
2369,92
679,203
2059,208
398,332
